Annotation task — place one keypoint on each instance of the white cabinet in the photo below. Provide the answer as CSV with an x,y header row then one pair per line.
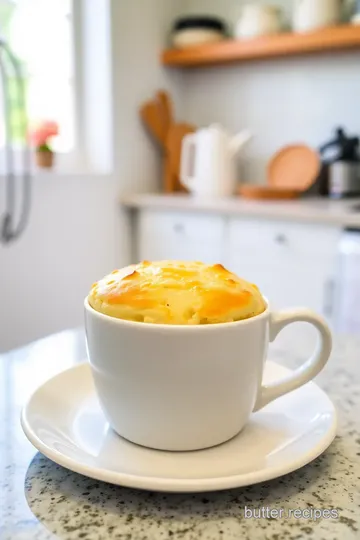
x,y
180,236
293,264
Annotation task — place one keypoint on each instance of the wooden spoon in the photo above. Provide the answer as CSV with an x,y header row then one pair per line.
x,y
152,116
166,107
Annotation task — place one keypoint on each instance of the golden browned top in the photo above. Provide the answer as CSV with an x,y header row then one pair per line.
x,y
175,292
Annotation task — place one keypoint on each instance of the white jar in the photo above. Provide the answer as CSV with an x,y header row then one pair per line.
x,y
258,20
315,14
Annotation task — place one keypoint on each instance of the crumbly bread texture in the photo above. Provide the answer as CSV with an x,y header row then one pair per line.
x,y
176,292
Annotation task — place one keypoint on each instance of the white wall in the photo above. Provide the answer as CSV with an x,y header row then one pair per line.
x,y
280,101
71,240
77,231
139,33
230,9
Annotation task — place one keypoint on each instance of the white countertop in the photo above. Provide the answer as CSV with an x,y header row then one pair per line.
x,y
310,210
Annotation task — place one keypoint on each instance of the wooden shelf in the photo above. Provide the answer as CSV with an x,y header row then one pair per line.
x,y
282,45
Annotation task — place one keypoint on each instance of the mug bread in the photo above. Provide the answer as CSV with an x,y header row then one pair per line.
x,y
176,292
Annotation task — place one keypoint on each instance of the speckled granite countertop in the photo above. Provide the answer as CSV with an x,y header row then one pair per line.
x,y
40,500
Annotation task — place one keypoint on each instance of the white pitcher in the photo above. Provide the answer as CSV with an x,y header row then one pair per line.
x,y
314,14
208,161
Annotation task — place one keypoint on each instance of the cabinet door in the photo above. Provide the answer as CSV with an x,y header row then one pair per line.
x,y
180,236
269,240
290,285
293,264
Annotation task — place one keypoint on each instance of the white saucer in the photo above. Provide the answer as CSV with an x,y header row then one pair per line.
x,y
63,420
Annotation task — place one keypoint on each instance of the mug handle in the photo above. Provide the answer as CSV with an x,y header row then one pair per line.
x,y
310,368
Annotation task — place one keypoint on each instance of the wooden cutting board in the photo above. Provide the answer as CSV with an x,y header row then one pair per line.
x,y
295,166
173,149
249,191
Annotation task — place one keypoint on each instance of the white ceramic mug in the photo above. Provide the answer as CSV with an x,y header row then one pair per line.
x,y
183,388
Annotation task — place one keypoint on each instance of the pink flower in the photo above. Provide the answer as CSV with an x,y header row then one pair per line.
x,y
51,128
44,131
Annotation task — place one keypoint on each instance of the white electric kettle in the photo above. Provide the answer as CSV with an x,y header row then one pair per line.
x,y
208,161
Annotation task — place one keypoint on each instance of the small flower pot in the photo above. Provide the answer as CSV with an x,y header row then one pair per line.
x,y
44,158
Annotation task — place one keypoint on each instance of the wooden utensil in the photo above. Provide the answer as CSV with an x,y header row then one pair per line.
x,y
249,191
158,117
173,148
166,107
295,167
152,118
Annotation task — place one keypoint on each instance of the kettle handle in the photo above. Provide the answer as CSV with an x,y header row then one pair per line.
x,y
187,166
340,137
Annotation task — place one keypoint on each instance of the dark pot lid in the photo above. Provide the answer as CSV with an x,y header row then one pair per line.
x,y
199,21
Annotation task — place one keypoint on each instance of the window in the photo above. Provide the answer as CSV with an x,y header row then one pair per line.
x,y
40,34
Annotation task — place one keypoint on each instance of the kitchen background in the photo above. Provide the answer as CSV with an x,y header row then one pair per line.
x,y
78,228
280,101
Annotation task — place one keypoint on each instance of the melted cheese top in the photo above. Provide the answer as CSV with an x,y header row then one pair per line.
x,y
176,292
